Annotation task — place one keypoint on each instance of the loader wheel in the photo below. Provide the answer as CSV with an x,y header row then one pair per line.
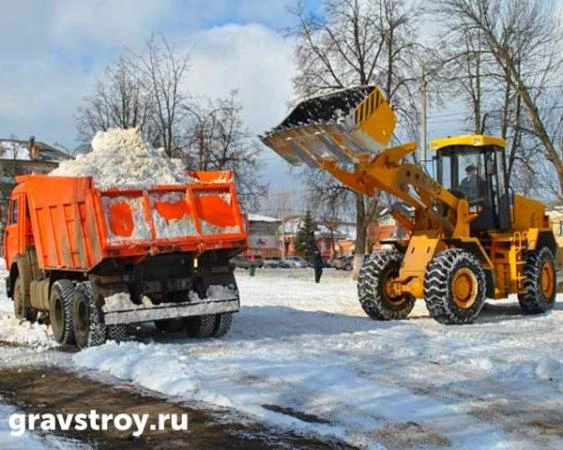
x,y
454,287
20,310
89,327
60,311
373,288
200,326
540,282
169,325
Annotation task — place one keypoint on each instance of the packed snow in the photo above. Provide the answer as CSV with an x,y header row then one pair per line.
x,y
120,158
172,228
305,357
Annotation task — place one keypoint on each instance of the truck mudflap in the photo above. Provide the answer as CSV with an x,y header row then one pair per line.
x,y
119,309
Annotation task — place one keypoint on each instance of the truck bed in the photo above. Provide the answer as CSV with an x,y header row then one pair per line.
x,y
75,225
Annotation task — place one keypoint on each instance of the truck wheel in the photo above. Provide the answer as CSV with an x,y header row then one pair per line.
x,y
454,287
20,310
60,311
169,325
200,326
117,332
223,324
89,327
373,288
540,282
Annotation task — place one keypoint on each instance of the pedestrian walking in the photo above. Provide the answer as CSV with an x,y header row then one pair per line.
x,y
318,264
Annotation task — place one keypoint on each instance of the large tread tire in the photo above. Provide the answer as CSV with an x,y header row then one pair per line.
x,y
60,311
534,300
438,287
200,326
371,288
223,324
169,325
20,310
117,332
89,327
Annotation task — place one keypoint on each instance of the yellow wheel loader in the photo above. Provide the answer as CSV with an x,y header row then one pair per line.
x,y
470,237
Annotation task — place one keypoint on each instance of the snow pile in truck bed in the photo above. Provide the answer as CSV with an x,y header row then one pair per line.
x,y
120,158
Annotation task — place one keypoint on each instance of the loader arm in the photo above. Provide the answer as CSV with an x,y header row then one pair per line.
x,y
411,184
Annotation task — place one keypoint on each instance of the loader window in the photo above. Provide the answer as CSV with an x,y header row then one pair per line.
x,y
478,175
472,179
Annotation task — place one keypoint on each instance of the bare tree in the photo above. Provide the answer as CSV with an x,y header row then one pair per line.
x,y
357,43
119,100
164,72
216,139
525,39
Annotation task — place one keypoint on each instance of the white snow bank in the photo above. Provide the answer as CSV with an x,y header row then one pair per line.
x,y
120,158
20,331
23,332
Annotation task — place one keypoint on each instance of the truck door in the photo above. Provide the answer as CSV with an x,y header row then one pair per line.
x,y
11,232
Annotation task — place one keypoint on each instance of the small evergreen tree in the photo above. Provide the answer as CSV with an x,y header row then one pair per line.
x,y
305,243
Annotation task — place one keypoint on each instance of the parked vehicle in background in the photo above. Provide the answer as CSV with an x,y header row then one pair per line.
x,y
341,262
275,262
240,262
296,262
244,262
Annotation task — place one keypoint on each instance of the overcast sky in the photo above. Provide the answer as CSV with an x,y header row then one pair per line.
x,y
52,52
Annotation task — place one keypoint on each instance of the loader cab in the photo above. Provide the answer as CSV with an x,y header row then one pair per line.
x,y
473,167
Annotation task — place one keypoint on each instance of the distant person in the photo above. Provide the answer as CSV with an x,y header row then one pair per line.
x,y
473,186
318,265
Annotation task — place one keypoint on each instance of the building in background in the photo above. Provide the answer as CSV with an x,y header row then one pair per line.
x,y
19,157
386,227
331,238
263,236
267,236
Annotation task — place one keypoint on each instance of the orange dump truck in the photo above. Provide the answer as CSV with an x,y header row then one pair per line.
x,y
90,260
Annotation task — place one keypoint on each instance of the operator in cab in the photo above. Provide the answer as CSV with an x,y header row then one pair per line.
x,y
473,186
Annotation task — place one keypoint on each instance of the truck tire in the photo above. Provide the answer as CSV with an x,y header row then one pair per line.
x,y
117,332
169,325
454,287
60,311
200,326
223,324
89,327
540,282
20,310
373,295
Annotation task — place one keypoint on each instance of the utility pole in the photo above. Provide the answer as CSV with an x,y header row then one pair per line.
x,y
283,227
423,118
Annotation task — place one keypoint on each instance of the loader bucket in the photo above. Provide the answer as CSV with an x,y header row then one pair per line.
x,y
347,126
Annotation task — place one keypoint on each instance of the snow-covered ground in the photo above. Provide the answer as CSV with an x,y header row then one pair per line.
x,y
305,357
